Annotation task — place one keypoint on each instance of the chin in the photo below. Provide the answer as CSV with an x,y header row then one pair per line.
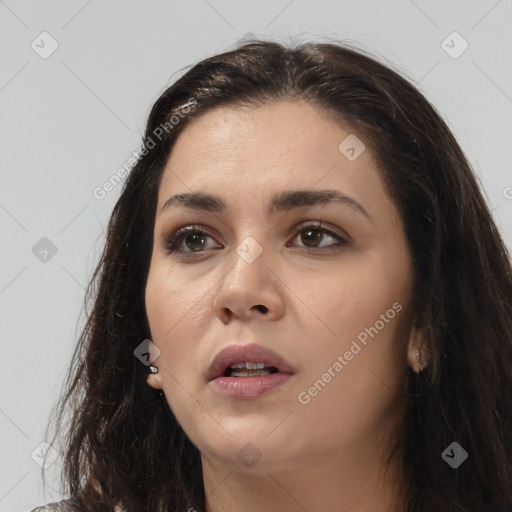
x,y
250,447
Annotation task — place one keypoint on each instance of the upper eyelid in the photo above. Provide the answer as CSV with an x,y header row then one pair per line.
x,y
186,229
321,225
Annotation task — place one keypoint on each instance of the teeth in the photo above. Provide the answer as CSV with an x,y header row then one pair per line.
x,y
250,370
250,373
249,366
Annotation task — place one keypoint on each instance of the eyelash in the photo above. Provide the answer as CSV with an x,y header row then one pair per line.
x,y
171,242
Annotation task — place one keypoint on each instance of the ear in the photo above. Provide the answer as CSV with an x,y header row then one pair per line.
x,y
417,355
154,381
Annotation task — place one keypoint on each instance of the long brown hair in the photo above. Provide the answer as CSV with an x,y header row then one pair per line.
x,y
123,438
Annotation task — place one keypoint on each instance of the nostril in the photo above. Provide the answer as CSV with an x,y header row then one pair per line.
x,y
262,308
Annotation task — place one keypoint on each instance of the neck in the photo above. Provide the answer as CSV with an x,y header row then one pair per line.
x,y
356,482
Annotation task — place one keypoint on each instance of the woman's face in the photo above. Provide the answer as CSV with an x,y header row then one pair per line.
x,y
330,302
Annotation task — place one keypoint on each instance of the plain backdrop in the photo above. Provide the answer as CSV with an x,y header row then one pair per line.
x,y
77,80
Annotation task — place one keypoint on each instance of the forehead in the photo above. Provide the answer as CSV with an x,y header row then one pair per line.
x,y
287,129
247,152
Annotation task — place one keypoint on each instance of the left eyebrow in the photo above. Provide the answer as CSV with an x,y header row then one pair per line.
x,y
281,202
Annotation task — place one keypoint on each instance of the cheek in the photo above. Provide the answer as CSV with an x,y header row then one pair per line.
x,y
177,314
179,311
354,386
355,293
171,301
363,304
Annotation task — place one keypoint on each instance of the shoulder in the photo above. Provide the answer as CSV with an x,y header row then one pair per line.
x,y
69,505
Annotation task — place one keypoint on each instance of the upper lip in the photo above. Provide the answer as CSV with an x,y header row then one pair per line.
x,y
250,353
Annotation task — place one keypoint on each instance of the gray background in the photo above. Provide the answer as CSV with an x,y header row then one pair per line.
x,y
70,120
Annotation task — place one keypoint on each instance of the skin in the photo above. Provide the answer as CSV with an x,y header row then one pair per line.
x,y
327,454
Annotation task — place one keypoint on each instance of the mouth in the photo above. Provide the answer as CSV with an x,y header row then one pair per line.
x,y
248,371
250,360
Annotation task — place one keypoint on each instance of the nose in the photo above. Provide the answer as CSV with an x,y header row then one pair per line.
x,y
249,290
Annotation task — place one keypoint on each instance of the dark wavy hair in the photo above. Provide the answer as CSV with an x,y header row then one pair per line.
x,y
122,443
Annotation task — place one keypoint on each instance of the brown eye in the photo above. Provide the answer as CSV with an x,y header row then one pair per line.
x,y
312,235
194,241
193,238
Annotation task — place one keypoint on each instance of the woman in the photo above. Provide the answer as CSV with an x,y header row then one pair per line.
x,y
303,304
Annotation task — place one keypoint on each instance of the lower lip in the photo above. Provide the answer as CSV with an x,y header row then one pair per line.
x,y
250,387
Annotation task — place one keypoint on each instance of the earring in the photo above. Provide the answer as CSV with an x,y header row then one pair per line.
x,y
154,369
